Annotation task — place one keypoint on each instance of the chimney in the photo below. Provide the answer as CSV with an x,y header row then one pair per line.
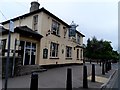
x,y
34,6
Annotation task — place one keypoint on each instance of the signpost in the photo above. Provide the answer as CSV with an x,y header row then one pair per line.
x,y
11,29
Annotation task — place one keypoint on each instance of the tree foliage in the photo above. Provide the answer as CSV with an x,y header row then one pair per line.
x,y
100,49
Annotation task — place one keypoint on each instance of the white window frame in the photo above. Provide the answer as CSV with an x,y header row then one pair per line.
x,y
68,52
54,49
35,22
78,39
55,27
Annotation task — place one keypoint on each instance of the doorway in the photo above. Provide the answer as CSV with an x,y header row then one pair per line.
x,y
28,52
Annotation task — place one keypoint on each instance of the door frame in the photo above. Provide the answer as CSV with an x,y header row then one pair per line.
x,y
30,52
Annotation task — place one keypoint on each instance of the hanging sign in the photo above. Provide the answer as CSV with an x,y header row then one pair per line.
x,y
11,26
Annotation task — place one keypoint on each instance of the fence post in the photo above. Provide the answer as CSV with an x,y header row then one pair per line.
x,y
34,81
69,79
103,69
85,81
93,73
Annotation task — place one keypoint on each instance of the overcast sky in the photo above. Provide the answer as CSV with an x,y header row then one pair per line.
x,y
95,17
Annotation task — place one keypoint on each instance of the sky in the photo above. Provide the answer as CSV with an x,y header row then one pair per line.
x,y
95,17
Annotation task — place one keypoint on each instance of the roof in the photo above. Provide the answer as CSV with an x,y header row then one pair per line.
x,y
34,12
3,30
80,33
38,11
24,30
78,46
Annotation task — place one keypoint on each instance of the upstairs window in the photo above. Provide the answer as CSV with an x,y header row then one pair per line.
x,y
35,22
65,31
78,39
54,49
55,27
68,52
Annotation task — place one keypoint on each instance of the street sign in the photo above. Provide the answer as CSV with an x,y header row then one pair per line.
x,y
11,26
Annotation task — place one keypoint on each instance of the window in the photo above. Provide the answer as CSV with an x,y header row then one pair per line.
x,y
27,51
65,31
3,46
55,27
78,39
54,50
81,54
68,51
77,53
35,22
45,53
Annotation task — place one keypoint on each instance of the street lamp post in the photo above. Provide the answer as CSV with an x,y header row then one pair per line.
x,y
11,29
7,61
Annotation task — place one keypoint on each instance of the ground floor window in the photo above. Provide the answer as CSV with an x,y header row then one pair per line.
x,y
54,49
81,53
3,46
27,52
68,51
77,53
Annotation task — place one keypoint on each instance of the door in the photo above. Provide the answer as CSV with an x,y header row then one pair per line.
x,y
33,53
27,53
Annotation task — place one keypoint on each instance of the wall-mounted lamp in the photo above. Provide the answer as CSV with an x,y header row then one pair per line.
x,y
62,51
48,33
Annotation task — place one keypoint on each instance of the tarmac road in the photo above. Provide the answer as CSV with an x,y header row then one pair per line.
x,y
56,78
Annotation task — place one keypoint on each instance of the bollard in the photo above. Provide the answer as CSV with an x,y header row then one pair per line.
x,y
69,79
85,81
93,73
103,69
34,81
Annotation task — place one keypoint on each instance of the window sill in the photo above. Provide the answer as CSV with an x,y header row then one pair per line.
x,y
68,58
53,58
55,35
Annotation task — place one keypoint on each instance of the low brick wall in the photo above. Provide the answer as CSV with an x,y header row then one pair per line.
x,y
17,63
59,65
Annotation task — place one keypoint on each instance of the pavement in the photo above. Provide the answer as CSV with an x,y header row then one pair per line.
x,y
56,78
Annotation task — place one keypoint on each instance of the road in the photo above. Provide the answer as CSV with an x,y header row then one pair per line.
x,y
56,78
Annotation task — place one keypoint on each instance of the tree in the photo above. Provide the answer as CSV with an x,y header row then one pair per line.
x,y
99,49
